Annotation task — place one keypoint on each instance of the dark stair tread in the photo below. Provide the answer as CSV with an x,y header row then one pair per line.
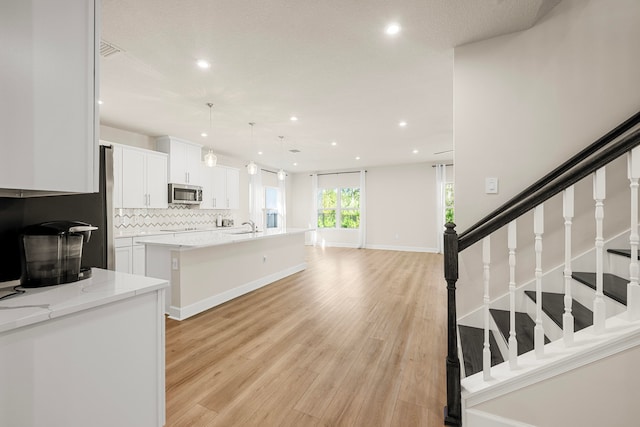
x,y
622,252
524,329
613,286
472,342
553,305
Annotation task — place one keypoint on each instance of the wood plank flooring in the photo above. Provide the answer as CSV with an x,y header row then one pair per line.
x,y
357,339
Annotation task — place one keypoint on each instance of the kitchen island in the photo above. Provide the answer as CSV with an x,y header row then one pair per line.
x,y
87,353
208,268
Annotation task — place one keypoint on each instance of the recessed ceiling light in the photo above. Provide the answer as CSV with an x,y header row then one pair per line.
x,y
203,134
415,151
392,29
402,124
293,119
295,163
334,143
259,153
100,102
203,64
357,157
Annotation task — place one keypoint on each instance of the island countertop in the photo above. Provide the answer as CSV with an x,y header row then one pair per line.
x,y
41,304
202,239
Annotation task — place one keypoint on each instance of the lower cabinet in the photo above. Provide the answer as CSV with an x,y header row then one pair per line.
x,y
130,257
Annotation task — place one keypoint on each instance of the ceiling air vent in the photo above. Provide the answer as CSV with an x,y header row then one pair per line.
x,y
108,49
294,151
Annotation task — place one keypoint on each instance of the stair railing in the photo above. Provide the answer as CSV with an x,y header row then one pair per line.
x,y
624,139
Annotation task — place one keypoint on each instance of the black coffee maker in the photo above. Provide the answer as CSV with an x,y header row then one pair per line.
x,y
52,253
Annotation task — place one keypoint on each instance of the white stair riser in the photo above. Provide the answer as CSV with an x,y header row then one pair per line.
x,y
551,330
585,295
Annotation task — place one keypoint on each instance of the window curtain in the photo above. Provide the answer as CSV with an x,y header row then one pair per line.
x,y
362,238
256,199
313,218
441,179
282,204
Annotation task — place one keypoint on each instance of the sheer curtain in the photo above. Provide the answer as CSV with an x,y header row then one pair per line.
x,y
362,238
282,204
441,179
256,199
313,217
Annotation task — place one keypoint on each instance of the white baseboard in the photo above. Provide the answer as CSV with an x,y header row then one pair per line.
x,y
378,247
402,248
181,313
477,418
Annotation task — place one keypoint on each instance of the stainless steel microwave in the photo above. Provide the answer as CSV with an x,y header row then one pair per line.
x,y
185,194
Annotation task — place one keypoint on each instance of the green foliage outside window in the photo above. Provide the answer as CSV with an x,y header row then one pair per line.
x,y
347,209
449,202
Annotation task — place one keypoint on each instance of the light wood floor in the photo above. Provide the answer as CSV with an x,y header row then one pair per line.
x,y
357,339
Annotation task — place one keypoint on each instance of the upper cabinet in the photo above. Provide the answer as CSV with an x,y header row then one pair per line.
x,y
48,106
185,158
139,178
221,188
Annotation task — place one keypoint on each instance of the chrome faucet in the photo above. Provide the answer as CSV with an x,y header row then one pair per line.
x,y
252,224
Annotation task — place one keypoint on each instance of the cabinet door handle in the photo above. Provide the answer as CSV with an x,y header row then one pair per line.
x,y
149,203
227,202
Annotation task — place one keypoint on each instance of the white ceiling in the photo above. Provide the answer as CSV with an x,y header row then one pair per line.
x,y
328,62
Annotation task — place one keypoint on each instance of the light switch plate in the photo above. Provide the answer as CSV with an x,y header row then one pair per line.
x,y
491,185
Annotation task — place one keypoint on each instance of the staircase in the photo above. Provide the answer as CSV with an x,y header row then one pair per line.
x,y
559,321
471,338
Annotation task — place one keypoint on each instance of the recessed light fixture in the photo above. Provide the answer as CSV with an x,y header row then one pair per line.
x,y
259,153
100,102
357,157
203,134
334,143
203,64
392,29
415,151
402,124
295,163
293,118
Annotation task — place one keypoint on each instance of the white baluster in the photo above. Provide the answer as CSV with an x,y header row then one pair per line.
x,y
486,352
599,194
633,289
538,230
513,342
567,317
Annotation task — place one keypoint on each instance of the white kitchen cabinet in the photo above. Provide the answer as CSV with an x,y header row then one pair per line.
x,y
124,254
49,85
221,188
138,260
144,178
185,158
130,257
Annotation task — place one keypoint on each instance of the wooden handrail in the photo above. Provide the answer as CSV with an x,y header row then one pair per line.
x,y
531,200
596,146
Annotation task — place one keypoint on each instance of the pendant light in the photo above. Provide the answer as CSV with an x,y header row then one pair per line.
x,y
282,175
252,168
210,159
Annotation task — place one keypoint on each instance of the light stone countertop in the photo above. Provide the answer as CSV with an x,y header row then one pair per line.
x,y
41,304
185,241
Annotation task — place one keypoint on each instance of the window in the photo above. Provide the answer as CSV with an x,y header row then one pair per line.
x,y
448,202
271,201
339,208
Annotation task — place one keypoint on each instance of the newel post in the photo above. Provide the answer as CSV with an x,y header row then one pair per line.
x,y
452,415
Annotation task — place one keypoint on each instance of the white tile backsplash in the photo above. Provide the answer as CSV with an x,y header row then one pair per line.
x,y
175,216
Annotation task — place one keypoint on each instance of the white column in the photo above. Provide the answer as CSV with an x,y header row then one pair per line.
x,y
633,289
567,317
599,194
538,230
513,342
486,351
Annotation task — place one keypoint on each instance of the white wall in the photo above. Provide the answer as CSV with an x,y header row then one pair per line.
x,y
401,208
525,102
602,393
